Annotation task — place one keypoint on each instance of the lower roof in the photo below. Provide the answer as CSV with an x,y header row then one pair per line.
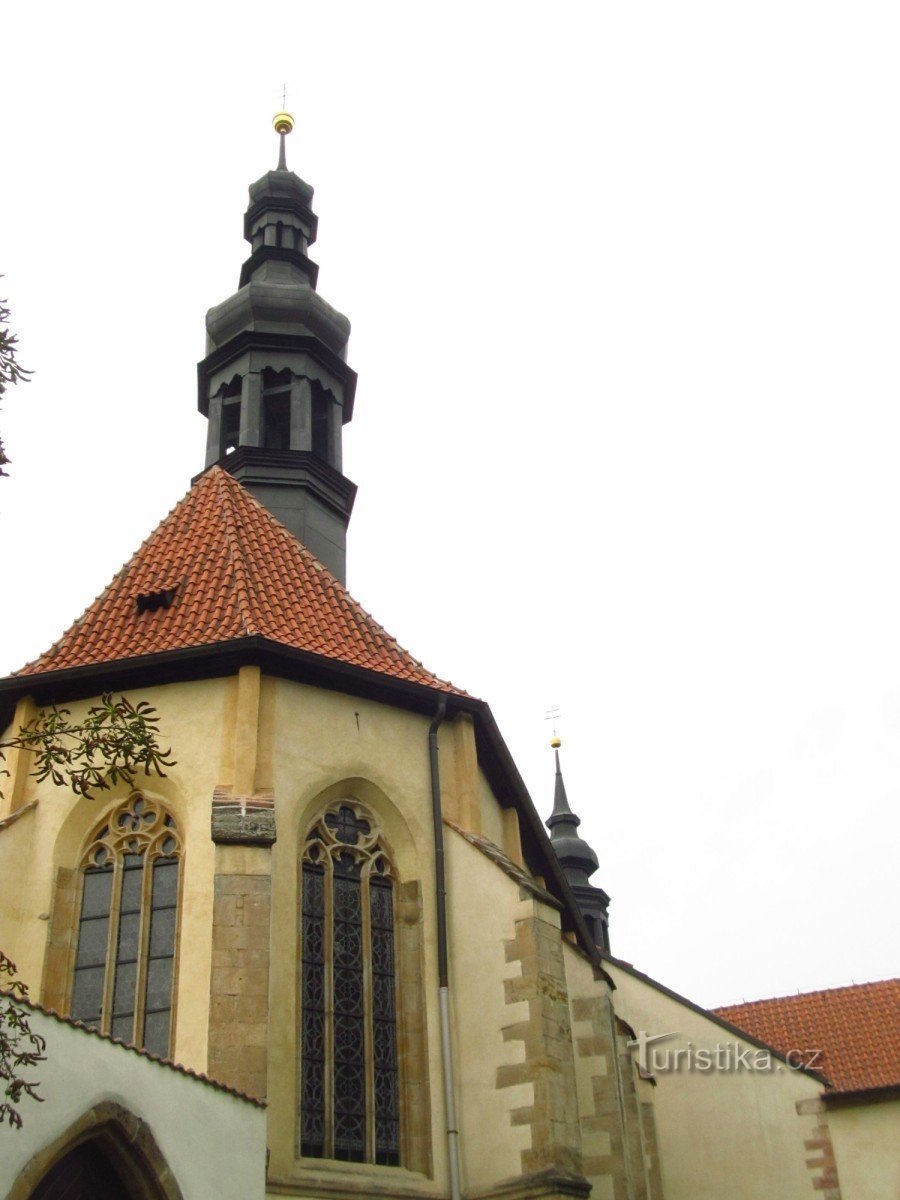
x,y
855,1030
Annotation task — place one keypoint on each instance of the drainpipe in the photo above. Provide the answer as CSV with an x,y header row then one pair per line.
x,y
443,973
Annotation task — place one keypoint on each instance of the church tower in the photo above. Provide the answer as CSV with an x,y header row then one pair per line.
x,y
275,385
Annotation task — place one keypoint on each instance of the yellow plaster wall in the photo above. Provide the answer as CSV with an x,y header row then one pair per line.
x,y
52,835
327,745
866,1144
491,813
735,1134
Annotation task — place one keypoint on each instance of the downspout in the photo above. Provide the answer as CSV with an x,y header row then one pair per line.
x,y
443,972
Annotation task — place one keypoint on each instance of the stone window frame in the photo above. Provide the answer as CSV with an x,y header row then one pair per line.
x,y
414,1099
65,921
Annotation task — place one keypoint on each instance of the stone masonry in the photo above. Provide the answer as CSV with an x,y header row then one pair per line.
x,y
617,1128
239,989
548,1062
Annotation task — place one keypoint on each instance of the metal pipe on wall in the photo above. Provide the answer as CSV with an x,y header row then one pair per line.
x,y
443,957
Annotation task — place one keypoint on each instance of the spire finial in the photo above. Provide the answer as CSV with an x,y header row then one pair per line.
x,y
284,123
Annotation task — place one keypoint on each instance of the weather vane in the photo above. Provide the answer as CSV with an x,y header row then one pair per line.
x,y
553,714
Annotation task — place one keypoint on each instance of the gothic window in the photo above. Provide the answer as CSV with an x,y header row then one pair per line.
x,y
349,1105
231,416
124,962
277,409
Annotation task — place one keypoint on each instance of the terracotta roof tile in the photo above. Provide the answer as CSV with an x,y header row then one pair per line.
x,y
856,1028
237,572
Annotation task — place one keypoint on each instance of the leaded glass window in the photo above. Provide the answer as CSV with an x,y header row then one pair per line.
x,y
349,1106
124,961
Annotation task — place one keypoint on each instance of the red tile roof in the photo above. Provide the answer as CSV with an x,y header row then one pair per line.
x,y
237,572
856,1028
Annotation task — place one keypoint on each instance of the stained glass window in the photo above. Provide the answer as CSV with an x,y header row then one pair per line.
x,y
126,934
349,1105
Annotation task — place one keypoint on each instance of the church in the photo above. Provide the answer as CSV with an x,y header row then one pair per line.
x,y
335,952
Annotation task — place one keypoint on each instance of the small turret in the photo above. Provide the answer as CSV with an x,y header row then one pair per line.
x,y
577,859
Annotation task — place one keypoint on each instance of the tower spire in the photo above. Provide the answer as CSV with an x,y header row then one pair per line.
x,y
577,859
275,385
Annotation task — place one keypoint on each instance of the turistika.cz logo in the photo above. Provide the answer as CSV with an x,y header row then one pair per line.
x,y
656,1059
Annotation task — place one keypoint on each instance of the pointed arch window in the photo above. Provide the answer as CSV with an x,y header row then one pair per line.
x,y
276,433
124,963
349,1105
231,416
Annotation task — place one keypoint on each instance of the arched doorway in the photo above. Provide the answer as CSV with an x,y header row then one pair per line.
x,y
85,1173
108,1154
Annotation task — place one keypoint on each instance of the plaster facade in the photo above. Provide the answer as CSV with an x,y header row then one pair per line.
x,y
866,1144
550,1098
89,1083
734,1132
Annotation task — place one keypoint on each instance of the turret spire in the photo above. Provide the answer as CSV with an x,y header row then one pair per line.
x,y
275,384
577,859
561,811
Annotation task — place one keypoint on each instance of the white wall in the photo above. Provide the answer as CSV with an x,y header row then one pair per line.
x,y
214,1143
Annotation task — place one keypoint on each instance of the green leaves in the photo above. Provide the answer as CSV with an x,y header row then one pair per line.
x,y
20,1047
10,371
114,743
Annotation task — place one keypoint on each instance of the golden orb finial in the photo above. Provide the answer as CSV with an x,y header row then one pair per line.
x,y
555,742
283,122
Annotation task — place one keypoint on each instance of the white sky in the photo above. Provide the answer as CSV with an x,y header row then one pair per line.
x,y
625,290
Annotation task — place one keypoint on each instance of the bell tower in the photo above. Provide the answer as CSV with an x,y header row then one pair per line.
x,y
275,385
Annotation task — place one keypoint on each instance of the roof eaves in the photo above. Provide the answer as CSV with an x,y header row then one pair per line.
x,y
858,1096
215,660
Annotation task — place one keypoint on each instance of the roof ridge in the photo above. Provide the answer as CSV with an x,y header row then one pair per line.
x,y
234,549
847,987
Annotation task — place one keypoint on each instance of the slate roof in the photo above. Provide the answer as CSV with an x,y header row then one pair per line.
x,y
236,572
856,1028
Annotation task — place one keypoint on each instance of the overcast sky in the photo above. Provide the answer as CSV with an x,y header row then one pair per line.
x,y
624,282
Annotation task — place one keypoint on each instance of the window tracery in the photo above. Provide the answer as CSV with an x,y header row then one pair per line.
x,y
349,1106
124,963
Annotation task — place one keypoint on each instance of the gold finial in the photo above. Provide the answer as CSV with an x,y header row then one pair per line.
x,y
555,742
283,122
